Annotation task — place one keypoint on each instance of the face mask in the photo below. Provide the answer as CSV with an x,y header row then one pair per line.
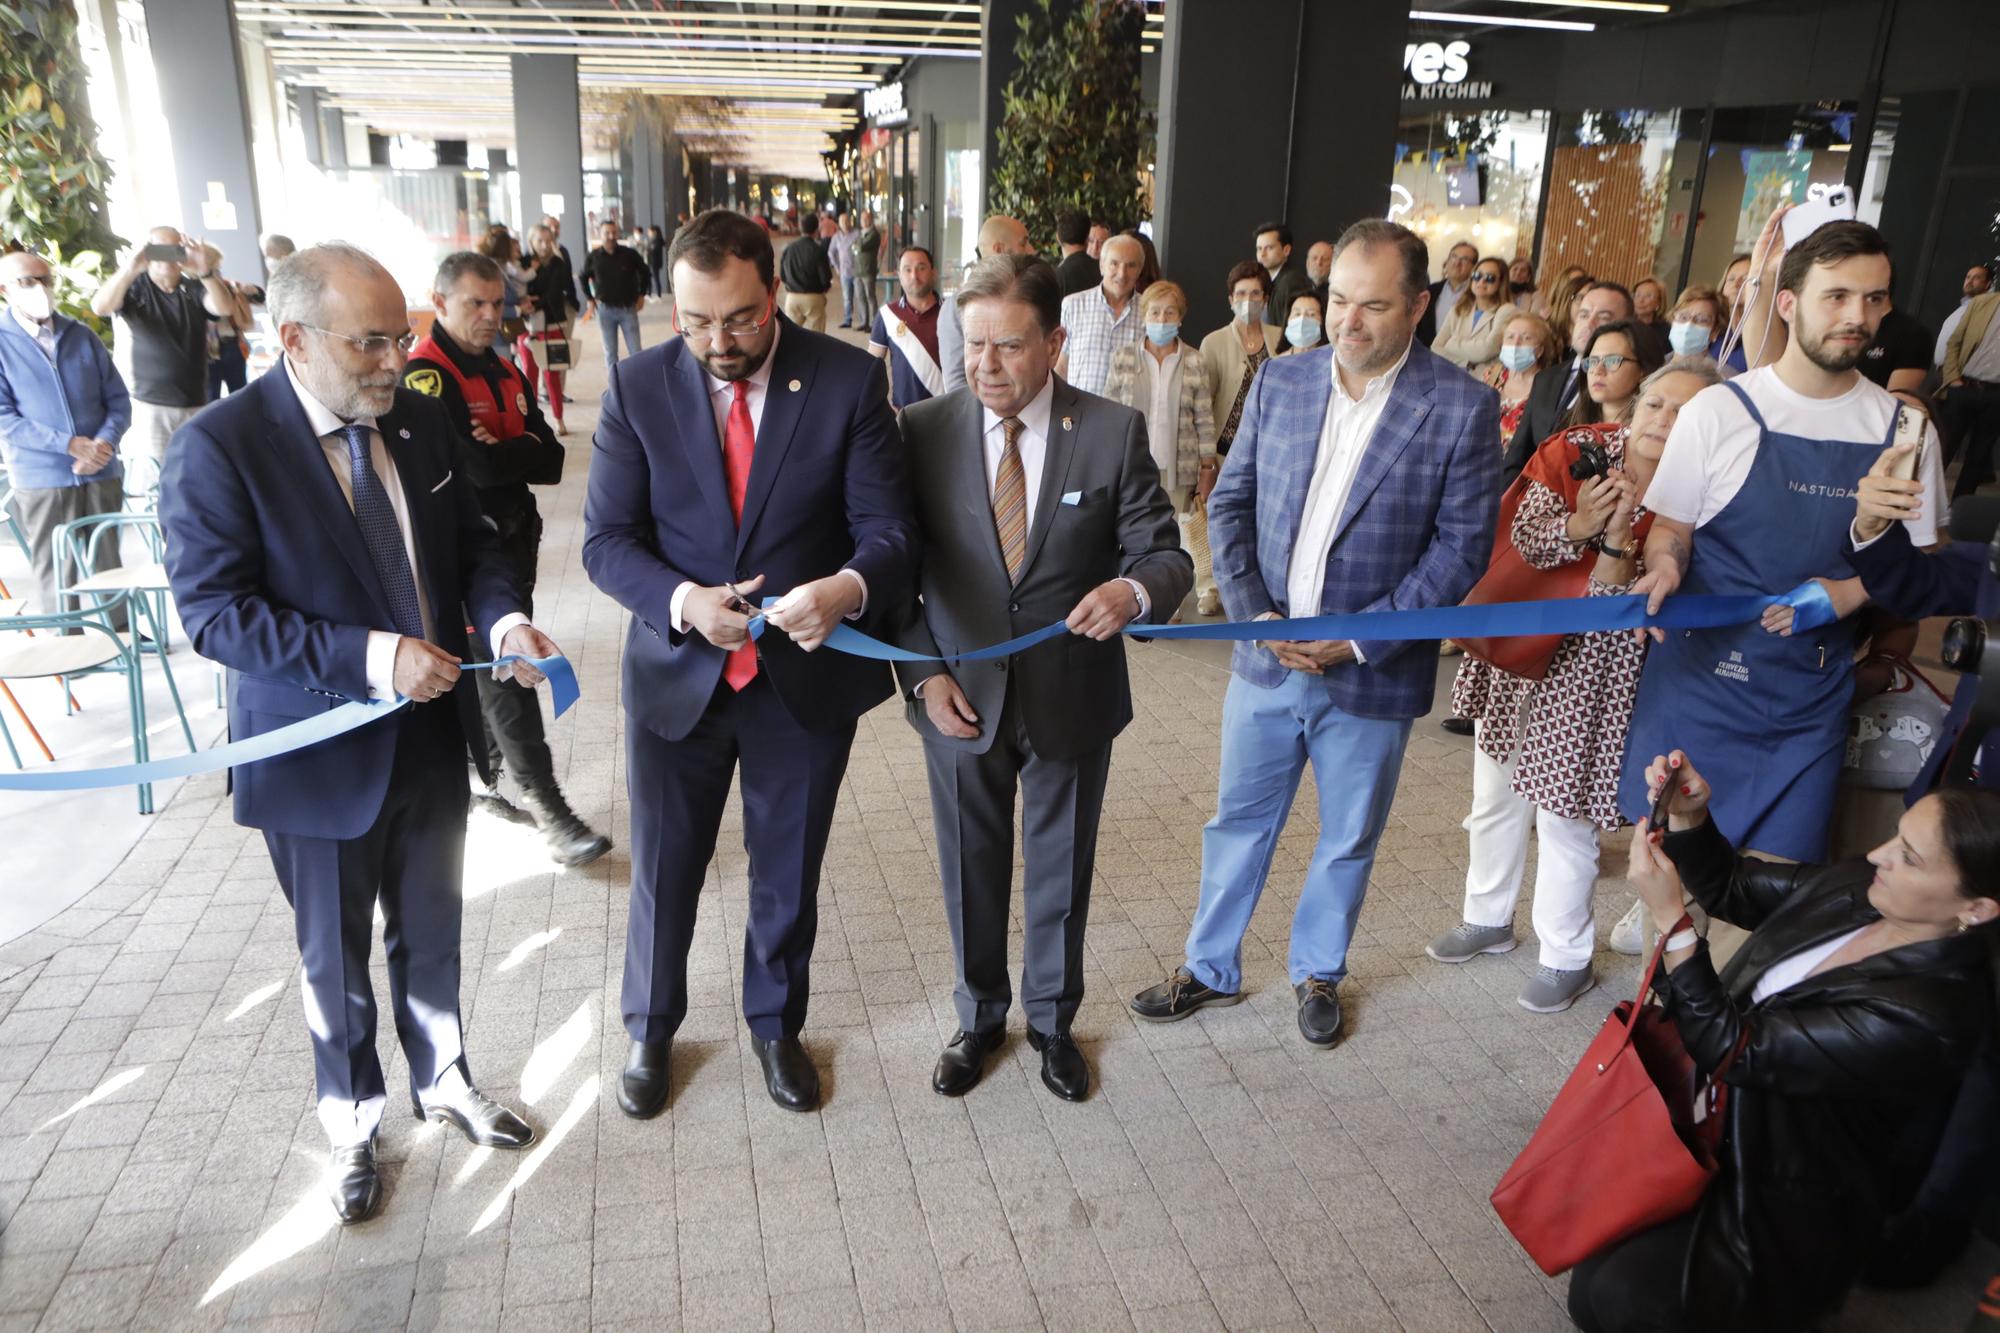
x,y
1302,332
1162,335
1517,357
1248,312
1687,339
36,302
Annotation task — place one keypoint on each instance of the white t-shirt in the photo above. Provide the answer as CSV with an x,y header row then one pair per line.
x,y
1789,972
1714,442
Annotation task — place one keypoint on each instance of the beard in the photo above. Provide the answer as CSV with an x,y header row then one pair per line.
x,y
742,370
1834,358
348,397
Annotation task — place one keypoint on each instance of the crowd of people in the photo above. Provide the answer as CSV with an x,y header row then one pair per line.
x,y
1356,437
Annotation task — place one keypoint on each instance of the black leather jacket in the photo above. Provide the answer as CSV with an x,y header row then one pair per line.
x,y
1834,1072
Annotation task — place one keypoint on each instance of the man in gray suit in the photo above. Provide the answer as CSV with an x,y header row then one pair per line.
x,y
1035,503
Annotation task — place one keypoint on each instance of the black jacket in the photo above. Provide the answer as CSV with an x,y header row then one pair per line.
x,y
1547,404
1079,273
500,473
554,286
1834,1071
804,269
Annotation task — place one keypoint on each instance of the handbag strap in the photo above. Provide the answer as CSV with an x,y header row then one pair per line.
x,y
1652,966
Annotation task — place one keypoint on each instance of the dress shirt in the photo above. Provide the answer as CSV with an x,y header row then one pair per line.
x,y
43,332
1161,391
1343,440
1095,333
721,396
381,667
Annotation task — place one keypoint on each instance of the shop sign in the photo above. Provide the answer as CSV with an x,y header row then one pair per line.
x,y
1436,72
884,105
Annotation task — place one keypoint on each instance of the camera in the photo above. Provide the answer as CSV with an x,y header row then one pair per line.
x,y
1590,462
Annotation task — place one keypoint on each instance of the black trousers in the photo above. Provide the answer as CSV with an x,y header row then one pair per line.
x,y
1635,1286
972,808
516,741
790,779
1969,421
412,861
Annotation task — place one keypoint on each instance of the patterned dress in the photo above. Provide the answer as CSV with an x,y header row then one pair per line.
x,y
1568,728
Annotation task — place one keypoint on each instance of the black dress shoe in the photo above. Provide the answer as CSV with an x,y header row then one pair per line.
x,y
493,803
484,1121
642,1088
789,1075
1457,726
571,841
1319,1011
1063,1069
1177,997
355,1187
964,1060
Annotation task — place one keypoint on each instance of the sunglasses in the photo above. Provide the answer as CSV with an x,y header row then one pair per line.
x,y
1486,279
1610,361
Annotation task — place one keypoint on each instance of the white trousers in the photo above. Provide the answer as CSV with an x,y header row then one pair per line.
x,y
1564,878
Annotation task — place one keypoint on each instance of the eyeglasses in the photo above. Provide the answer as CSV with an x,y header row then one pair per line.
x,y
1610,361
370,346
27,280
740,327
1486,279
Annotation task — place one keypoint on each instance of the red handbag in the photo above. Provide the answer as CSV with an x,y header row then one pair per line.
x,y
1620,1149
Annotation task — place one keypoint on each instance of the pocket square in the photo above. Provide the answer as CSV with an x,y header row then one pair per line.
x,y
441,485
1072,497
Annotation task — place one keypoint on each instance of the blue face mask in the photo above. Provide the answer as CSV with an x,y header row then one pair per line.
x,y
1162,335
1302,332
1687,339
1517,357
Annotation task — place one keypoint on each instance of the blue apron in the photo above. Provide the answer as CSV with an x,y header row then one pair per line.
x,y
1764,718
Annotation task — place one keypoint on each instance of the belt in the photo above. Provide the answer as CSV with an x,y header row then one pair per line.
x,y
1980,384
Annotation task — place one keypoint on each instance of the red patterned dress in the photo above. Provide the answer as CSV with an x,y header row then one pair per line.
x,y
1569,727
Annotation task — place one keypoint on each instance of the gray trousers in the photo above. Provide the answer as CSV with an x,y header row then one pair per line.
x,y
41,511
972,805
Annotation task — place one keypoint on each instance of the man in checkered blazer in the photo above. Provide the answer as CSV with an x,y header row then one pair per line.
x,y
1364,477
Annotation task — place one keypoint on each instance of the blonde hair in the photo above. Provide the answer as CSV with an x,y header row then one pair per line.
x,y
1160,289
1548,348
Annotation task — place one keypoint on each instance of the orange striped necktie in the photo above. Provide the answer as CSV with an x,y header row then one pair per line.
x,y
1010,501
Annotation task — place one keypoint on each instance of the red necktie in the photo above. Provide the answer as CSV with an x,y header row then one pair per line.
x,y
739,444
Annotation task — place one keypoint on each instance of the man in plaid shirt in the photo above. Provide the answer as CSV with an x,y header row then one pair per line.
x,y
1103,319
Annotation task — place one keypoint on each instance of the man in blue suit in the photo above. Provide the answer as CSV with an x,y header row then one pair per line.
x,y
321,547
1363,478
748,456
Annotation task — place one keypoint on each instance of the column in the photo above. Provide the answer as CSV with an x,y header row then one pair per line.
x,y
648,186
198,66
1328,78
548,144
305,101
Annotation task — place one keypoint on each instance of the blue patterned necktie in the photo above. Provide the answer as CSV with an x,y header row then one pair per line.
x,y
380,531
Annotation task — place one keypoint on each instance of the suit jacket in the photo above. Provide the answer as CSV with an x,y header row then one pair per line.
x,y
1547,402
1290,284
1416,531
1072,691
1971,331
827,491
273,580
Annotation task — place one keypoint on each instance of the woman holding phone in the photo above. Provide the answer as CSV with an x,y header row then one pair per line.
x,y
1547,751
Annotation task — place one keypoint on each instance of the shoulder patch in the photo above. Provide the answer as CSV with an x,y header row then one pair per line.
x,y
425,381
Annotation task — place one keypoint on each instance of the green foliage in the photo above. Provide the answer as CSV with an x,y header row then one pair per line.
x,y
52,177
1075,132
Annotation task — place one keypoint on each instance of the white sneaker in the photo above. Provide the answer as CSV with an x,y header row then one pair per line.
x,y
1629,935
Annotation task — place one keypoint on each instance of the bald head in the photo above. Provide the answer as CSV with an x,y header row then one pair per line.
x,y
28,285
22,264
165,273
1001,235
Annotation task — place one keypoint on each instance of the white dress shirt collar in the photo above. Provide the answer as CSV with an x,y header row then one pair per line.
x,y
1382,383
323,419
1035,416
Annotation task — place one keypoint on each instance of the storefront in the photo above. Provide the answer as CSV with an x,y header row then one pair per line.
x,y
917,163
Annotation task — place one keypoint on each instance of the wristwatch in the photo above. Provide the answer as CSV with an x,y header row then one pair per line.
x,y
1605,548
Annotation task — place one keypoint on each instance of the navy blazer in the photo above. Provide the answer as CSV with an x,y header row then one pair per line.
x,y
1416,531
273,580
828,490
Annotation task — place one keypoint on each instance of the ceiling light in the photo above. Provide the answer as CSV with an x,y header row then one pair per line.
x,y
1499,21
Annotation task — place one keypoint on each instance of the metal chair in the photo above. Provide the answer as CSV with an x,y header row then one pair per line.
x,y
7,514
144,587
81,642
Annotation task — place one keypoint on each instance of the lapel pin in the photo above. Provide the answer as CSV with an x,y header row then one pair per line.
x,y
794,386
405,434
1068,424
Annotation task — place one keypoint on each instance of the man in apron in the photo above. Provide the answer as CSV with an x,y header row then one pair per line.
x,y
1754,495
906,332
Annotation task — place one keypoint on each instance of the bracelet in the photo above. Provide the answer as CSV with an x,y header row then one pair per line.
x,y
1685,939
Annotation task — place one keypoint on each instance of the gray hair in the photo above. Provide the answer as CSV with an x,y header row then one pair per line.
x,y
1410,248
461,262
293,295
1025,278
280,244
1701,366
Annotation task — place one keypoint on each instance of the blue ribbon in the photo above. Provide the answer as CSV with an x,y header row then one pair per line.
x,y
309,731
1811,608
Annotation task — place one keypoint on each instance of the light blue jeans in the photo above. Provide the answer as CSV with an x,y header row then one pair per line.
x,y
1268,736
610,319
852,309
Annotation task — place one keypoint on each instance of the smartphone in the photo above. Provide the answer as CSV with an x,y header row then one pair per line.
x,y
1836,205
1909,431
1657,821
166,254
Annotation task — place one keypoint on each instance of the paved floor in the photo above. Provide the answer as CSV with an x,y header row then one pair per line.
x,y
160,1163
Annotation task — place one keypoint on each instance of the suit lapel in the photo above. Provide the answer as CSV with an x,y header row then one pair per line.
x,y
1065,426
292,438
417,480
1312,407
1402,417
784,403
689,404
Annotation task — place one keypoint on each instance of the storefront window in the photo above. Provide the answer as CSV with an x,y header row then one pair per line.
x,y
1621,193
1764,156
1471,176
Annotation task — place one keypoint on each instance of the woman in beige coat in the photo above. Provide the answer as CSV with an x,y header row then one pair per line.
x,y
1234,352
1469,333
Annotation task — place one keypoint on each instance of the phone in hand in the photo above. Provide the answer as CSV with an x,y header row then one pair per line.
x,y
1910,432
166,254
1657,821
1836,205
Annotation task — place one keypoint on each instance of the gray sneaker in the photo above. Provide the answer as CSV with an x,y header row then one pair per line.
x,y
1465,942
1551,990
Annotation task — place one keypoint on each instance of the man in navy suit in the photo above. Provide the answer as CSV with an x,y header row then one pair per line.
x,y
748,456
1363,478
321,548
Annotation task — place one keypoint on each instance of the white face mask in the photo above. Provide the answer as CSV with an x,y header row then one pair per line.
x,y
36,302
1249,312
